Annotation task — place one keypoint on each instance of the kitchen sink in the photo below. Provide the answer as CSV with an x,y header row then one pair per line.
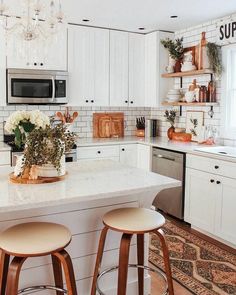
x,y
227,151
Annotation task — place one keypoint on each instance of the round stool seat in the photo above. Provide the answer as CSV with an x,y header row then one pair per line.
x,y
34,239
133,220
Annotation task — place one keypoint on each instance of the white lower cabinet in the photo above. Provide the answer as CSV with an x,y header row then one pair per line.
x,y
210,201
133,154
128,154
5,158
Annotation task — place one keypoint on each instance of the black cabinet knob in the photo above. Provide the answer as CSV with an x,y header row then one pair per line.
x,y
41,64
217,167
123,150
131,102
92,101
212,180
86,101
126,101
218,182
35,64
99,152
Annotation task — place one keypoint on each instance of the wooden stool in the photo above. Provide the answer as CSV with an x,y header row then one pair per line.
x,y
132,221
35,239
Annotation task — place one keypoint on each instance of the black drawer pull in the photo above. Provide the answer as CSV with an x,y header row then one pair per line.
x,y
212,180
131,102
92,101
86,101
123,150
126,101
99,152
218,182
217,167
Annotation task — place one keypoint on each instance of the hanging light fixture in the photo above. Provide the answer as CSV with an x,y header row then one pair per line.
x,y
32,24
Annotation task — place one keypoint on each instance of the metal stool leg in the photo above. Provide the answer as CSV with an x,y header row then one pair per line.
x,y
99,259
165,250
140,254
57,271
14,274
123,263
4,264
66,262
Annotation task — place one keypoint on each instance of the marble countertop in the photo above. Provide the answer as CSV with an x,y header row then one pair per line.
x,y
87,181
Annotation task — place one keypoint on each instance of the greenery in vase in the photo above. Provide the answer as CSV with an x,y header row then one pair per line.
x,y
47,146
215,59
21,123
171,116
175,47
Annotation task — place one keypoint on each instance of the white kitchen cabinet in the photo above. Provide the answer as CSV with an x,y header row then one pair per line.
x,y
200,199
210,202
2,66
5,158
136,70
128,154
225,224
156,60
119,68
144,157
98,152
88,65
41,53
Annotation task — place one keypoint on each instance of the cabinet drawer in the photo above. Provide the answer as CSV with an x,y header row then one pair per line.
x,y
214,166
98,152
5,158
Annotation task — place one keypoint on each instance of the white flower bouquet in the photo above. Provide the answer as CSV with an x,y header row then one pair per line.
x,y
23,122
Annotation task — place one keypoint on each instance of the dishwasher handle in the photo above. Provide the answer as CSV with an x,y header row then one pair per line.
x,y
163,157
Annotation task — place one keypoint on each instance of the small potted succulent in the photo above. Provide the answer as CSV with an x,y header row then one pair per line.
x,y
176,51
170,117
140,125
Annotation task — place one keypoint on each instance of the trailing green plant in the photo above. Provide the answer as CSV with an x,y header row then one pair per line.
x,y
171,116
175,47
47,146
215,58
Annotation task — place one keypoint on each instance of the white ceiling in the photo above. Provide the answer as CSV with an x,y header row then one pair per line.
x,y
131,14
151,14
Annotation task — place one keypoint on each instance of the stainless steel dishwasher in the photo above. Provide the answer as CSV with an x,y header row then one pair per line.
x,y
171,164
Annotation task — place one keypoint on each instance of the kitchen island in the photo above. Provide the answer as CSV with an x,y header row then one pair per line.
x,y
90,189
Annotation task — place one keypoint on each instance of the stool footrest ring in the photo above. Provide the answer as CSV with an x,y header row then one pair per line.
x,y
114,268
34,289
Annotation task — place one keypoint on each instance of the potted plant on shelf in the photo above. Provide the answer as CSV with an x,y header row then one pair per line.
x,y
140,125
215,59
176,51
170,117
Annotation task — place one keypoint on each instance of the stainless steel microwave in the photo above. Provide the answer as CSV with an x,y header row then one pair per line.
x,y
36,87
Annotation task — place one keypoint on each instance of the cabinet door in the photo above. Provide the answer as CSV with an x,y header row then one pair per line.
x,y
88,65
119,67
225,210
136,70
128,154
2,66
201,193
144,157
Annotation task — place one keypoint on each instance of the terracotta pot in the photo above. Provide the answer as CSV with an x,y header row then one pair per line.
x,y
177,66
140,132
170,132
185,137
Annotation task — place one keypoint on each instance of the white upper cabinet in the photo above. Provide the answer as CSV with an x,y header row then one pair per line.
x,y
88,65
45,54
136,70
156,60
119,68
2,66
127,69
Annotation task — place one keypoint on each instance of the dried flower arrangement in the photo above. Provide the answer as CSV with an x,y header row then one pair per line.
x,y
170,116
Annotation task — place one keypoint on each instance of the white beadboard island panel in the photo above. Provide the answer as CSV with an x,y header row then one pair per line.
x,y
91,189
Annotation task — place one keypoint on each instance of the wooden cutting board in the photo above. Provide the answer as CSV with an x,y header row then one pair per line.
x,y
106,125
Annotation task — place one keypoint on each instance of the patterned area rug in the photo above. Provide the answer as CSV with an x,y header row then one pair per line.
x,y
201,267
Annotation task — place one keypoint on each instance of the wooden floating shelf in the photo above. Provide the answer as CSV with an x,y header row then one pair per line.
x,y
197,104
187,74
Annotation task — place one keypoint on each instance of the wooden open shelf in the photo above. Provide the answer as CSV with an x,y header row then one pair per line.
x,y
187,74
199,104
